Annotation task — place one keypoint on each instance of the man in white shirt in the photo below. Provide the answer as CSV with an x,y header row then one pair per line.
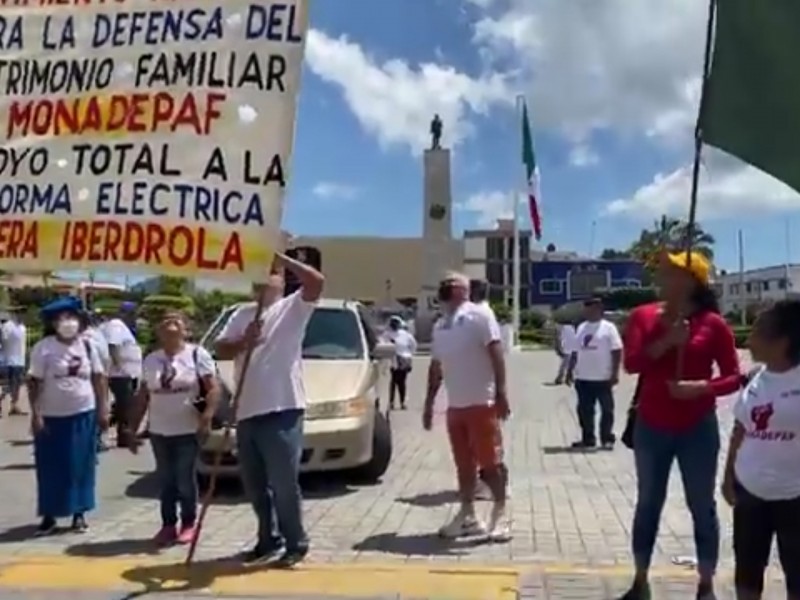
x,y
126,368
594,368
565,342
269,431
95,337
14,339
467,355
405,346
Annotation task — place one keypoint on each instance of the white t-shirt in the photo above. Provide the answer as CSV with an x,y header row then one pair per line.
x,y
567,339
768,461
65,371
15,343
118,334
404,347
594,343
98,339
274,379
173,386
460,344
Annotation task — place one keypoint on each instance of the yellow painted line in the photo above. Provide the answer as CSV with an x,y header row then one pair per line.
x,y
232,579
354,580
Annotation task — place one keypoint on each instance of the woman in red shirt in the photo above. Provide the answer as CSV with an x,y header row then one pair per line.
x,y
674,345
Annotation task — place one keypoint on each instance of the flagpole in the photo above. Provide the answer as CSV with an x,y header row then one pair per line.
x,y
517,279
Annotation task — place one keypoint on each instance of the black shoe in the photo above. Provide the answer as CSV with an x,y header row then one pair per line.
x,y
581,445
638,591
705,591
79,524
46,527
403,406
257,556
608,445
291,558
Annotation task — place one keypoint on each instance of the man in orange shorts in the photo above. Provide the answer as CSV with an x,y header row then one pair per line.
x,y
468,357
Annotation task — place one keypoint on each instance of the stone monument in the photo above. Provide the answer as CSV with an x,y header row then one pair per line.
x,y
437,227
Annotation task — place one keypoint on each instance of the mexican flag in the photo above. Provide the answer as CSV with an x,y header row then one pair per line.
x,y
751,99
531,173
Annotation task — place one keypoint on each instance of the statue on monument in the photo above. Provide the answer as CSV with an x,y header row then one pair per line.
x,y
436,133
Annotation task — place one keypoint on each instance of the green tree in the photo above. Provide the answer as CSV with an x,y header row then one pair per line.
x,y
613,254
670,234
173,286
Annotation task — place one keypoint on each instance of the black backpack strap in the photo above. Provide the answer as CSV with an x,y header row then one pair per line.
x,y
201,384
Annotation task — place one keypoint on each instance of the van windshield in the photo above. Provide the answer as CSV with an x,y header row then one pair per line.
x,y
332,334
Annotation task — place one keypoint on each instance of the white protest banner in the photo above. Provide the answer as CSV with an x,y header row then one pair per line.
x,y
146,135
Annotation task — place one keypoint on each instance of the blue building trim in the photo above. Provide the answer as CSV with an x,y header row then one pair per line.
x,y
554,283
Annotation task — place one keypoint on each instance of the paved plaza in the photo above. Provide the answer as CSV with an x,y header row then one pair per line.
x,y
571,521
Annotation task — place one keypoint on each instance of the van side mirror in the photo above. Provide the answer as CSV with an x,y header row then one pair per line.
x,y
383,351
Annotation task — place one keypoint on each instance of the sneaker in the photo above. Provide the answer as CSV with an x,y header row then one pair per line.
x,y
79,524
499,527
291,558
166,536
186,534
46,527
463,525
257,556
638,591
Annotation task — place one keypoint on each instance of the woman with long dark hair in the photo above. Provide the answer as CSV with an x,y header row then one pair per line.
x,y
67,394
673,346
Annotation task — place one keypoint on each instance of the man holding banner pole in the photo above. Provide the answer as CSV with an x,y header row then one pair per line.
x,y
269,430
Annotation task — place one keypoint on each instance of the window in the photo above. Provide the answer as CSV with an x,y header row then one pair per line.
x,y
494,248
748,287
782,283
583,284
494,273
551,287
210,336
633,283
333,333
734,289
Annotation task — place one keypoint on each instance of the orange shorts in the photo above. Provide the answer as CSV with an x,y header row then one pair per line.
x,y
475,438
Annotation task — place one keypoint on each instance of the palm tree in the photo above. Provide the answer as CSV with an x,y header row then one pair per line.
x,y
669,233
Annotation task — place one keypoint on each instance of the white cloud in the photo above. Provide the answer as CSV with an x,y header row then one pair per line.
x,y
588,65
330,190
728,188
395,101
583,156
489,205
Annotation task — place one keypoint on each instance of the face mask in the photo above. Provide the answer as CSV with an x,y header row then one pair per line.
x,y
445,292
68,328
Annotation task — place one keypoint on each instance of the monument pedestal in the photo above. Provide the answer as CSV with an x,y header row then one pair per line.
x,y
437,237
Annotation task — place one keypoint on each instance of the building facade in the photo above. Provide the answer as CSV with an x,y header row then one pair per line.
x,y
753,288
489,255
557,281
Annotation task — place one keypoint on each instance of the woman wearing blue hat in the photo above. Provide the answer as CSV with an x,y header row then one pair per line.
x,y
68,402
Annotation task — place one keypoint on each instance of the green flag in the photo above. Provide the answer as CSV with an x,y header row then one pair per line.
x,y
751,104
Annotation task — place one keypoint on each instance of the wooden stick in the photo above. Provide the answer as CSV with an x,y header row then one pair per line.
x,y
698,152
226,436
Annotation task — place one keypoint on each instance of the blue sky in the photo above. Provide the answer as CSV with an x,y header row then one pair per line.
x,y
612,92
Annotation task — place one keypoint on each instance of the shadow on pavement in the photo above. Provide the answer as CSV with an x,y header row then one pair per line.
x,y
431,500
112,548
556,450
417,545
229,491
18,467
178,577
20,443
20,533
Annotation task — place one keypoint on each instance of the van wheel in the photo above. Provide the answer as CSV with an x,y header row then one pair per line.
x,y
381,451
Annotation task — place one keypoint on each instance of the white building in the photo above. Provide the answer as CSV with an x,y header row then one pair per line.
x,y
757,286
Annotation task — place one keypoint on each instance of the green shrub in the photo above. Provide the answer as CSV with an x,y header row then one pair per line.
x,y
536,336
627,298
740,335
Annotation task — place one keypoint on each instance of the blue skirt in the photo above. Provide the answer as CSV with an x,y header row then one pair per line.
x,y
66,464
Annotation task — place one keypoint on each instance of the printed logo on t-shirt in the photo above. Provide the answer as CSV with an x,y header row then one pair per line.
x,y
587,339
168,376
761,416
73,365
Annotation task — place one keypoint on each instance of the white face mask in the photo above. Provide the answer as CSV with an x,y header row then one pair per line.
x,y
68,328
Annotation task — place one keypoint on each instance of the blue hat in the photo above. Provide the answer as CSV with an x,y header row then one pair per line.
x,y
128,306
56,307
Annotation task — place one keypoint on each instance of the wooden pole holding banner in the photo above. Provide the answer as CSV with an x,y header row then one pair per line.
x,y
226,436
698,153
